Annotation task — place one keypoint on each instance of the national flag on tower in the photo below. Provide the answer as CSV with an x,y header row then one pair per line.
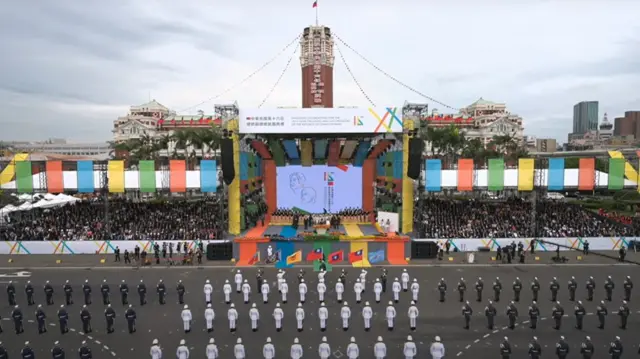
x,y
314,255
355,256
315,4
336,257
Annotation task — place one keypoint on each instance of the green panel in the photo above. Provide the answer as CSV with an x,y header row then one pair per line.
x,y
388,170
496,174
24,177
147,176
243,225
326,249
616,173
252,170
388,207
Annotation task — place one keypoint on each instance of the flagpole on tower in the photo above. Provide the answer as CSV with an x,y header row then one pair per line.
x,y
315,6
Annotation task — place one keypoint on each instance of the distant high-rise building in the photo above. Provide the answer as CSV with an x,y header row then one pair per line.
x,y
316,60
585,117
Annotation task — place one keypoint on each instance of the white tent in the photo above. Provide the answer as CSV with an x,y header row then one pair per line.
x,y
8,209
25,207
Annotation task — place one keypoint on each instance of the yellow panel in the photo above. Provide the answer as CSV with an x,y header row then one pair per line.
x,y
306,149
356,246
353,230
407,183
10,171
629,171
234,187
525,174
115,171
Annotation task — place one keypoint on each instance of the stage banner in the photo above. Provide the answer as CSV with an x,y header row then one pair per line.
x,y
389,221
321,120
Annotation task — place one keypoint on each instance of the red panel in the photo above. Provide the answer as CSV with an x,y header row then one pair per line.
x,y
368,194
55,181
465,174
271,194
334,153
177,176
586,174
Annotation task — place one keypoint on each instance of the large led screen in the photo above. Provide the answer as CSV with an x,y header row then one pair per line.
x,y
318,188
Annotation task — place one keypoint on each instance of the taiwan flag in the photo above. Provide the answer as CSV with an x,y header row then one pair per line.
x,y
314,255
336,257
255,259
315,4
355,256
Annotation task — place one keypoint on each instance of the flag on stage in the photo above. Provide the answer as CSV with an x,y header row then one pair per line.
x,y
295,258
255,259
337,256
376,257
314,255
355,256
315,4
275,257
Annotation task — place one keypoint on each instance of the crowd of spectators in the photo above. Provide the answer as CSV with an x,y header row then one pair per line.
x,y
119,220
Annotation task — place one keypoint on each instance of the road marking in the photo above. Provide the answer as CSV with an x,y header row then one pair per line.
x,y
475,342
486,336
97,342
459,353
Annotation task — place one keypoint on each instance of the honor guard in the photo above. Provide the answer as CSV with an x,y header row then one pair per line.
x,y
616,349
284,290
490,312
17,317
535,288
68,293
105,290
209,316
579,312
278,315
259,281
324,350
302,289
587,349
142,293
323,315
379,349
343,277
156,351
363,279
627,286
232,316
409,349
268,350
535,350
479,287
557,313
624,312
562,348
296,349
367,314
512,314
41,317
554,287
124,293
86,291
534,314
5,355
280,279
322,288
505,349
497,289
609,285
57,352
517,288
301,276
572,286
110,317
181,290
11,293
345,314
131,317
186,318
63,320
85,351
321,274
226,289
183,351
353,352
442,288
27,352
28,289
48,293
208,289
590,285
377,289
383,280
467,312
339,290
300,317
246,291
161,289
85,317
390,313
601,312
264,289
396,288
254,315
462,288
238,280
357,288
405,280
415,290
437,349
413,313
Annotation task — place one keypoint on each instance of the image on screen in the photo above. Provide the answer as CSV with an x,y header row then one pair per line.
x,y
318,188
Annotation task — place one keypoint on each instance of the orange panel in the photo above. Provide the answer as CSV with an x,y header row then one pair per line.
x,y
587,174
55,181
465,174
270,190
395,252
247,251
177,176
368,177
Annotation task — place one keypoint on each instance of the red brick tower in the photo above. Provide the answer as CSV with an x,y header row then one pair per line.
x,y
316,60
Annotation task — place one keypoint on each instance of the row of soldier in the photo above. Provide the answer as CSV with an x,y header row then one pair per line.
x,y
562,349
57,352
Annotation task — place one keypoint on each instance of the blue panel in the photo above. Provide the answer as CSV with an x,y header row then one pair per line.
x,y
320,149
295,162
556,174
291,148
259,166
433,175
361,153
397,164
208,176
285,249
380,170
85,177
244,166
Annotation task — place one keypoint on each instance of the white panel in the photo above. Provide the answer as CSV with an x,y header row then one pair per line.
x,y
571,177
511,177
70,180
449,178
97,179
193,179
131,180
393,218
159,184
481,179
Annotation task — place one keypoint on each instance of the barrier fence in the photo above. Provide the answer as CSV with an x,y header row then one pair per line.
x,y
595,243
89,247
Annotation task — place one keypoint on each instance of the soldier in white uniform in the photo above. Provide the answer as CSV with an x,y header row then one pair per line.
x,y
413,315
323,315
209,316
226,288
268,350
254,314
278,315
246,291
212,350
363,279
182,352
208,289
353,352
415,289
284,289
265,291
156,351
321,289
300,317
280,279
380,349
324,350
302,288
367,314
405,280
377,289
232,315
409,350
357,288
345,314
321,275
186,318
238,280
339,290
437,349
296,349
391,315
238,349
396,288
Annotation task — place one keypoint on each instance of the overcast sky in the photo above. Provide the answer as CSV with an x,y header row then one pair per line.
x,y
69,68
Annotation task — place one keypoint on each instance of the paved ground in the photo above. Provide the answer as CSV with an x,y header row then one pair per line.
x,y
443,319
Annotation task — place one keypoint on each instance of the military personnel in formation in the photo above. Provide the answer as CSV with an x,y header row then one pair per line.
x,y
410,350
181,290
57,352
254,316
265,290
601,313
535,350
86,291
437,349
609,285
357,289
41,317
302,291
557,313
278,315
579,312
110,318
17,317
27,352
505,349
85,351
246,291
554,287
85,317
383,280
517,288
124,293
512,314
562,348
405,280
29,291
353,352
535,288
131,317
467,312
413,313
377,290
48,293
415,290
301,276
300,315
624,312
68,293
106,292
616,349
345,315
462,288
442,288
479,287
497,289
5,355
343,277
161,289
390,314
587,349
11,293
534,314
183,351
208,289
259,280
63,320
268,350
324,350
572,286
379,349
339,290
238,280
296,349
142,292
156,350
396,288
490,312
590,286
627,285
226,289
323,315
367,314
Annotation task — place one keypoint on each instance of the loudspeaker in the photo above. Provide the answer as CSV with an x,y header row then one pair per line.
x,y
415,158
220,251
424,250
228,170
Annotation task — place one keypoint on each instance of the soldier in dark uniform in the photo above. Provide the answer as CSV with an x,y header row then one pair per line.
x,y
124,292
199,256
554,287
479,287
156,253
11,293
17,317
535,350
609,285
505,349
579,312
601,312
572,286
490,312
142,292
442,288
86,290
259,281
68,293
301,276
48,293
587,349
117,254
383,280
628,286
57,352
85,316
591,285
131,316
535,288
110,317
3,352
557,313
624,314
162,292
616,349
106,291
462,287
512,314
497,289
29,291
517,288
63,320
534,314
467,312
85,351
136,252
343,279
622,253
127,257
562,348
41,317
181,290
27,352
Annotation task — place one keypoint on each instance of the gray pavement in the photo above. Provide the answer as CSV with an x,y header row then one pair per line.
x,y
444,319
